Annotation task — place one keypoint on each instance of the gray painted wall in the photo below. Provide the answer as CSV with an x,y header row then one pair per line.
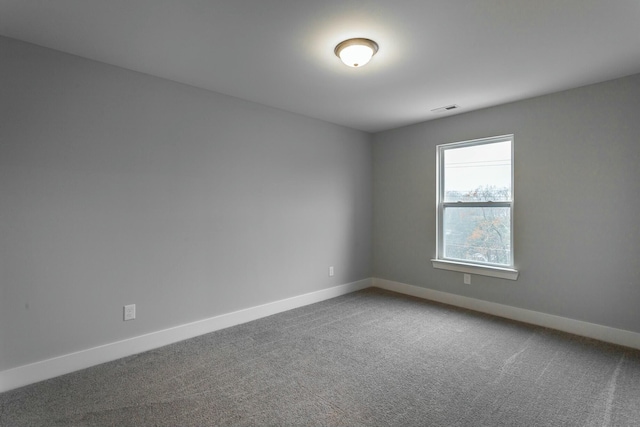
x,y
119,188
577,204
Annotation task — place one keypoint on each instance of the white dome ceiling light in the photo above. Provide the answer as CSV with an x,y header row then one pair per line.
x,y
356,52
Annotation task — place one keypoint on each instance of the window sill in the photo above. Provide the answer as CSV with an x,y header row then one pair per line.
x,y
502,273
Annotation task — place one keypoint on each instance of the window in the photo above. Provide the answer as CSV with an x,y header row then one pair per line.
x,y
475,207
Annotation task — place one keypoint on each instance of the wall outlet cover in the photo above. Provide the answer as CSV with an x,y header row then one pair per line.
x,y
129,312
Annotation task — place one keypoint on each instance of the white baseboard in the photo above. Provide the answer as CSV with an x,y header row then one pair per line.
x,y
50,368
577,327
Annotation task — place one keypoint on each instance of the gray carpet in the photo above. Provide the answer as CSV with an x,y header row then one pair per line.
x,y
371,358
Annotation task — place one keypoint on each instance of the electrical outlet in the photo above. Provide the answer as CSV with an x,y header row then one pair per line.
x,y
467,279
331,271
129,312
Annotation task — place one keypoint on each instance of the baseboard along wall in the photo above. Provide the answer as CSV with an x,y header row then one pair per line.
x,y
576,327
50,368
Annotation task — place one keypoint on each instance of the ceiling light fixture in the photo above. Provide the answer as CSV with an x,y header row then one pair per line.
x,y
356,52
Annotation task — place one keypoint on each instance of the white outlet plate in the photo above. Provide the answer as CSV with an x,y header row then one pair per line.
x,y
331,271
467,279
129,312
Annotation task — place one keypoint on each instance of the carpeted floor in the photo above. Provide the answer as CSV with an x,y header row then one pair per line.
x,y
370,358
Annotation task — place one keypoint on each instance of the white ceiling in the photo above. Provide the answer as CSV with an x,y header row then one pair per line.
x,y
475,53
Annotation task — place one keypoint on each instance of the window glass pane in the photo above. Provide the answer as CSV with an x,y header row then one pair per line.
x,y
478,173
477,234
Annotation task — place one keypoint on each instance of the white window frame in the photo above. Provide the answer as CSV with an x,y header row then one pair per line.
x,y
441,262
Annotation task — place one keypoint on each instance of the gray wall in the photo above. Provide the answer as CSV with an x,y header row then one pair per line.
x,y
577,204
118,188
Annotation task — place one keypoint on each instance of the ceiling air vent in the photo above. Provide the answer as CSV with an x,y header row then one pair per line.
x,y
447,108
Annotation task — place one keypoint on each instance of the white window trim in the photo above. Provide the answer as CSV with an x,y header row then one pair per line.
x,y
502,273
508,272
